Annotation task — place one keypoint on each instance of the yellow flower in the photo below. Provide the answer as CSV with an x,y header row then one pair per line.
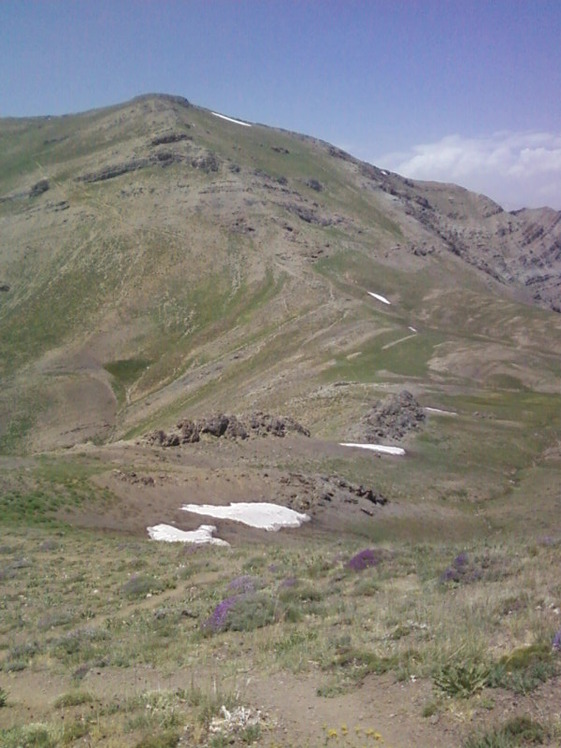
x,y
332,733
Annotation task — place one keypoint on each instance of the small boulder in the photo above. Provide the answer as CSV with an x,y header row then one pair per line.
x,y
38,189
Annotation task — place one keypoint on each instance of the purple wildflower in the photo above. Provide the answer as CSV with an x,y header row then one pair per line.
x,y
363,560
460,560
556,644
245,583
217,620
462,571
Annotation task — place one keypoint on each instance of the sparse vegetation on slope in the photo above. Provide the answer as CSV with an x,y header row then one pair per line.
x,y
160,264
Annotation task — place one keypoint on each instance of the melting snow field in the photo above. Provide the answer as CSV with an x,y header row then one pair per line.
x,y
171,534
380,298
377,448
265,516
229,119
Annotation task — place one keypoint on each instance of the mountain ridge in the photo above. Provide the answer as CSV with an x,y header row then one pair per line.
x,y
215,258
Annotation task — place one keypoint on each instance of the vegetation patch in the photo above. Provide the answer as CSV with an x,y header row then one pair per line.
x,y
126,371
73,698
364,560
526,668
462,680
517,731
244,612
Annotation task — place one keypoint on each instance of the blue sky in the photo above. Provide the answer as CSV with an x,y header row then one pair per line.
x,y
467,91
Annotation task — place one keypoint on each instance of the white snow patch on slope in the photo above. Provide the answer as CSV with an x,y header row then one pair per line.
x,y
377,448
442,412
230,119
171,534
412,329
380,298
271,517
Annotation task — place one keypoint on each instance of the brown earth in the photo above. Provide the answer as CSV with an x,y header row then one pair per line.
x,y
293,713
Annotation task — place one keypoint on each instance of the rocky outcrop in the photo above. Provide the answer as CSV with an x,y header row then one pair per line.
x,y
189,431
262,424
391,419
170,137
314,184
205,160
116,170
309,491
41,186
311,215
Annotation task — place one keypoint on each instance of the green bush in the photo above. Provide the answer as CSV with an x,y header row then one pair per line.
x,y
30,736
140,585
524,669
252,612
73,698
462,680
517,731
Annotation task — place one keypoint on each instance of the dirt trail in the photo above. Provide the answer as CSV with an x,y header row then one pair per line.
x,y
380,707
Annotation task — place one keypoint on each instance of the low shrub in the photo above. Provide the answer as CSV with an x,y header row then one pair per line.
x,y
517,731
524,669
462,680
29,736
364,560
245,612
140,585
73,698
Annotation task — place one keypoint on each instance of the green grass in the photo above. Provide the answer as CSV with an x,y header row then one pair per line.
x,y
371,363
516,731
127,370
53,485
73,698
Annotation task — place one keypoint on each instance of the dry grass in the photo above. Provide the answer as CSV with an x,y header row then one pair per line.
x,y
65,616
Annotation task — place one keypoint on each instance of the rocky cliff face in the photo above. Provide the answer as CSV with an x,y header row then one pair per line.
x,y
520,249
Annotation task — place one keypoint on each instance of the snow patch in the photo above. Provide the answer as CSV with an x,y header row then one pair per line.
x,y
380,298
230,119
412,329
442,412
170,534
376,448
265,516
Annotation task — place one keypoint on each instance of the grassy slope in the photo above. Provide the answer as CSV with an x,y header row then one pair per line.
x,y
144,275
124,617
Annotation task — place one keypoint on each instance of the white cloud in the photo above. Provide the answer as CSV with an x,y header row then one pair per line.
x,y
515,169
